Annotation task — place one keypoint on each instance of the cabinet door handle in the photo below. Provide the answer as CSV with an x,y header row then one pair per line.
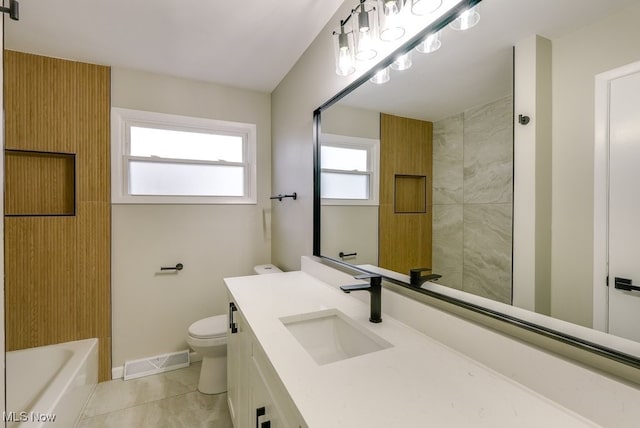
x,y
260,411
232,324
625,284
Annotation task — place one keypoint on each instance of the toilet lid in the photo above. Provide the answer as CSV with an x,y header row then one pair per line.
x,y
209,327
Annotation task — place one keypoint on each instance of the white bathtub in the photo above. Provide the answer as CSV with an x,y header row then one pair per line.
x,y
50,381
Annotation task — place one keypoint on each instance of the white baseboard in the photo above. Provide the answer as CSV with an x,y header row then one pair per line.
x,y
118,372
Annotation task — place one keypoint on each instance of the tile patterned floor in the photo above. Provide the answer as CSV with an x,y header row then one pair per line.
x,y
166,400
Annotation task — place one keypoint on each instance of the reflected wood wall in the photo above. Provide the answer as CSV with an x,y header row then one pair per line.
x,y
406,171
57,267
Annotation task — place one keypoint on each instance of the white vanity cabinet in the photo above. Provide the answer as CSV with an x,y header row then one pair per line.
x,y
255,395
411,381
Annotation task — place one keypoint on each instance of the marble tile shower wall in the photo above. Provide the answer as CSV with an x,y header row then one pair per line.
x,y
472,199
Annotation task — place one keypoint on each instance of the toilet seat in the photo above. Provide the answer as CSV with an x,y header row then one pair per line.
x,y
209,328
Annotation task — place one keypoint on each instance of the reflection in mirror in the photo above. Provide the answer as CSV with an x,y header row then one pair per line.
x,y
455,197
445,173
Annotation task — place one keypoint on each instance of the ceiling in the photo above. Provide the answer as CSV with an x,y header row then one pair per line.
x,y
474,67
248,44
254,43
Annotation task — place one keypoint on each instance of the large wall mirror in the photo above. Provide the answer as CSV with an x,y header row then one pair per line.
x,y
418,172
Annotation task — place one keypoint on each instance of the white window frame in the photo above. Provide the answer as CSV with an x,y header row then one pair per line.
x,y
372,147
123,119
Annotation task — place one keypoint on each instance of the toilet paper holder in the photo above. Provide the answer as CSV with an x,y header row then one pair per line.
x,y
178,266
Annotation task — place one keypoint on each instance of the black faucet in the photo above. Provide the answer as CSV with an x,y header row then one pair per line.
x,y
374,288
417,278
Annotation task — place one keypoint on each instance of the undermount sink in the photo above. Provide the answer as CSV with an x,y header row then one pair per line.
x,y
329,336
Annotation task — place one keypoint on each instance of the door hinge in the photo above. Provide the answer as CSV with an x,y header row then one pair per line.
x,y
607,280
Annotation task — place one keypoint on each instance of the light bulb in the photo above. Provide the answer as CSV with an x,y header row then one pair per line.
x,y
345,62
467,19
430,44
344,50
366,34
366,47
390,13
391,7
381,76
403,62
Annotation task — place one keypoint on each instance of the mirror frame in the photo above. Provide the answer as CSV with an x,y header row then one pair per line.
x,y
440,23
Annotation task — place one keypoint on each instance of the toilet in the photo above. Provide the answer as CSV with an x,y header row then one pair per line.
x,y
208,337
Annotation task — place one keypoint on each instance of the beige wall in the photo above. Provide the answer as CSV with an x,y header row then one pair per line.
x,y
151,311
354,122
577,58
532,175
304,89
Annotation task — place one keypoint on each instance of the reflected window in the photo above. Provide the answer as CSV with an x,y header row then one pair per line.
x,y
349,170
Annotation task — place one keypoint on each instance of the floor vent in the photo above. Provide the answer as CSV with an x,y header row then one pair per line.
x,y
158,364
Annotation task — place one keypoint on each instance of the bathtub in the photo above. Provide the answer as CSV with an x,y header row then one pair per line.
x,y
53,381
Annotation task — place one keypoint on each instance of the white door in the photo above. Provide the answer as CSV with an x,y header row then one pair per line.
x,y
624,207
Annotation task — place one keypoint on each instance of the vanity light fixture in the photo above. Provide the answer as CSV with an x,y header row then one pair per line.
x,y
425,7
430,44
391,14
371,23
467,19
403,62
381,76
344,50
366,34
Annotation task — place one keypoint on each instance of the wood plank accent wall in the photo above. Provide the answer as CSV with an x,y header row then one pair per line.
x,y
57,284
406,172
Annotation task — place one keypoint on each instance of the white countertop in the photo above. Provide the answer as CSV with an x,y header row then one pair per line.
x,y
416,383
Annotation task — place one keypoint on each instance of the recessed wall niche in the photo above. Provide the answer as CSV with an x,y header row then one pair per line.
x,y
410,194
39,183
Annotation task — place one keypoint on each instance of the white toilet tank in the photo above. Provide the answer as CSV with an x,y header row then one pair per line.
x,y
268,268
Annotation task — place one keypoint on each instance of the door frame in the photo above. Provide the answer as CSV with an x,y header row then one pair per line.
x,y
601,193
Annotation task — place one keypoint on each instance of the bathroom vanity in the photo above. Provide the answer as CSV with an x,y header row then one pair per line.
x,y
303,354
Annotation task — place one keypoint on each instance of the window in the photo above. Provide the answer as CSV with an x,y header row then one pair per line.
x,y
161,158
349,170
